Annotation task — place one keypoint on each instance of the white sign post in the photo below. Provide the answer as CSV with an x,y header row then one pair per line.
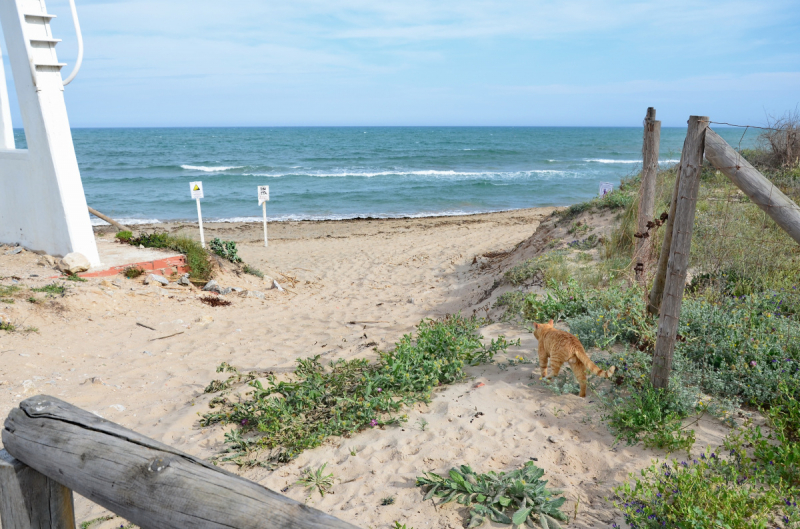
x,y
263,198
606,188
197,194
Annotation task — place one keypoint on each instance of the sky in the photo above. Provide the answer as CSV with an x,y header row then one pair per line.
x,y
427,62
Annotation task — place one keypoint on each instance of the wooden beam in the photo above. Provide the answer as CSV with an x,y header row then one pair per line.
x,y
761,191
108,219
647,190
691,166
29,500
146,482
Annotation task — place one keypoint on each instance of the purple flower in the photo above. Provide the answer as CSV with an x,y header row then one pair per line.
x,y
244,421
753,363
379,390
373,423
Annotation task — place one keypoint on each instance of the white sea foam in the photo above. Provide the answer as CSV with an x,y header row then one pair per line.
x,y
606,160
126,222
296,218
209,169
426,172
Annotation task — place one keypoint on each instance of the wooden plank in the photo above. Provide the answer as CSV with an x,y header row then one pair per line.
x,y
146,482
647,193
691,166
761,191
29,500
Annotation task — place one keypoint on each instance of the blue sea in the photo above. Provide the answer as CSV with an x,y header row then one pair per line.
x,y
142,175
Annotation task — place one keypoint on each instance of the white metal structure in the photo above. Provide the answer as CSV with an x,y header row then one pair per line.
x,y
42,203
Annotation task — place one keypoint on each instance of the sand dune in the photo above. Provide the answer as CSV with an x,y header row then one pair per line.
x,y
350,285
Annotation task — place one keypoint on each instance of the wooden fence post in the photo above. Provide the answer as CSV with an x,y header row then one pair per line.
x,y
691,167
29,500
657,290
647,193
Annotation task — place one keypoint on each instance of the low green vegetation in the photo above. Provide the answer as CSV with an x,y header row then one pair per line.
x,y
752,481
200,267
132,272
288,416
124,236
519,497
53,289
75,278
7,326
317,479
225,249
247,269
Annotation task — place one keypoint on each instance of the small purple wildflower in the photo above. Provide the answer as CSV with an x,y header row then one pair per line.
x,y
373,423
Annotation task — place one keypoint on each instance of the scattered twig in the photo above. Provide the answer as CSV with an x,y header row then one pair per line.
x,y
163,337
360,322
145,326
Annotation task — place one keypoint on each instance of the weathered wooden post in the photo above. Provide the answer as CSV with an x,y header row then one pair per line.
x,y
657,290
29,500
691,167
647,193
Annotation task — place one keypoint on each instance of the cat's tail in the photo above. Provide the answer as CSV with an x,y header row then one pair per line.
x,y
594,368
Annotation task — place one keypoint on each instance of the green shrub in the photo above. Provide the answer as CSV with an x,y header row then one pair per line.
x,y
225,249
124,236
132,272
519,497
351,395
158,239
653,416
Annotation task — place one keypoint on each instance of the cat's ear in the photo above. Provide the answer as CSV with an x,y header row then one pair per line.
x,y
535,325
551,322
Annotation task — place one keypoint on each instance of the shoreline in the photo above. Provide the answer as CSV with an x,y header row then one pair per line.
x,y
101,225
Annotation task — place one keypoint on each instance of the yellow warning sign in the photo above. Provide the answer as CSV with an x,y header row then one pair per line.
x,y
196,189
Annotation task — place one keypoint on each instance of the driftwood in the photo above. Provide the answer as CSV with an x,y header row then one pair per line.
x,y
144,481
691,166
108,219
761,191
29,500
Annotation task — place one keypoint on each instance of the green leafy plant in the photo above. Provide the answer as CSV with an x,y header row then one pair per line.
x,y
76,278
516,497
225,249
422,424
398,526
513,302
287,417
7,326
317,479
388,500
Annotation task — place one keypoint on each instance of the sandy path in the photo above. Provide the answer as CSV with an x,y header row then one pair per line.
x,y
391,273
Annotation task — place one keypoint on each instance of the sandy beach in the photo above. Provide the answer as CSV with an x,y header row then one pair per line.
x,y
141,356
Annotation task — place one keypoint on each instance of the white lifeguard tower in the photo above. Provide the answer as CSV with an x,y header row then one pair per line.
x,y
42,203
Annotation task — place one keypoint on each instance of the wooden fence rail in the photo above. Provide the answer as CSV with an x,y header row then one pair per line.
x,y
146,482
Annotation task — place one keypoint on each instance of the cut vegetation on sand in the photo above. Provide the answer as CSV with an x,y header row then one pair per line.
x,y
394,381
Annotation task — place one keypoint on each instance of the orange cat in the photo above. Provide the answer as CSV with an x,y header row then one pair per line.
x,y
559,347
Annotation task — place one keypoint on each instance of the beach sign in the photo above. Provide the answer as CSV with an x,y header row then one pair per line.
x,y
263,194
263,198
196,189
606,188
